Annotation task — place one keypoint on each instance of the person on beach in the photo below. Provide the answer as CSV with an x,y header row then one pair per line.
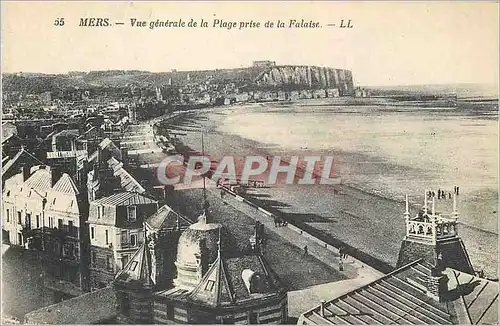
x,y
222,193
341,264
305,250
449,195
458,190
276,221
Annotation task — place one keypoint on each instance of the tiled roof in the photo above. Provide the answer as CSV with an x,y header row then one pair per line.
x,y
105,143
91,308
125,199
63,196
166,218
480,297
127,181
66,185
400,298
138,270
40,180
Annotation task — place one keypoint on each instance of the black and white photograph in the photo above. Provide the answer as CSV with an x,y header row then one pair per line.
x,y
250,162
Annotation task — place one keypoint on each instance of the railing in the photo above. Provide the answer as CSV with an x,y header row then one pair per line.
x,y
423,230
433,230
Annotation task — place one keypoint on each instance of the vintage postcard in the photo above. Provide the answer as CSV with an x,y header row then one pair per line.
x,y
250,162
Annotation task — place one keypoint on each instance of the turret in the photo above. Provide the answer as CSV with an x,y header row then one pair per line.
x,y
432,234
133,286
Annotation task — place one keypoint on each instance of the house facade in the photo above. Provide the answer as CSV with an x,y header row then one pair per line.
x,y
115,230
46,213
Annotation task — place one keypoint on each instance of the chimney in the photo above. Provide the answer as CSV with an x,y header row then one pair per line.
x,y
99,154
56,175
124,155
322,308
437,285
26,172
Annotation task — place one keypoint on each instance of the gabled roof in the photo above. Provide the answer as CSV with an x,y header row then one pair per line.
x,y
166,218
40,180
66,185
124,199
400,298
22,154
139,268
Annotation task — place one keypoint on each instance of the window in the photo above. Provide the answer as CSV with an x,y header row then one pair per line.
x,y
8,215
60,224
98,211
133,240
72,229
133,266
109,262
132,213
38,221
92,234
19,218
124,238
28,221
20,239
210,285
107,237
124,260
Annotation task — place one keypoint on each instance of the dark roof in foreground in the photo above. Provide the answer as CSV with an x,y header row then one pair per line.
x,y
400,298
91,308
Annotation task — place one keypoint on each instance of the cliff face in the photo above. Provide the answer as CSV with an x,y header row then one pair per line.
x,y
307,77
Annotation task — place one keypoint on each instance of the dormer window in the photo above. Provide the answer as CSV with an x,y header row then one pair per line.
x,y
54,201
132,213
210,285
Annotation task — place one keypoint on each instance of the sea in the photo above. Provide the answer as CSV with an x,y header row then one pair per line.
x,y
392,151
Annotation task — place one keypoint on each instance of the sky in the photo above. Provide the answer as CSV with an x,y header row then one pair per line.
x,y
391,43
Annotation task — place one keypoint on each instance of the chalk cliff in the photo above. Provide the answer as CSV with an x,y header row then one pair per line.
x,y
306,77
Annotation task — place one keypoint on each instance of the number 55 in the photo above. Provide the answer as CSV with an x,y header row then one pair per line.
x,y
59,22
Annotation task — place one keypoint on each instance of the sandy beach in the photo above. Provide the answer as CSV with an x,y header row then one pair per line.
x,y
368,206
